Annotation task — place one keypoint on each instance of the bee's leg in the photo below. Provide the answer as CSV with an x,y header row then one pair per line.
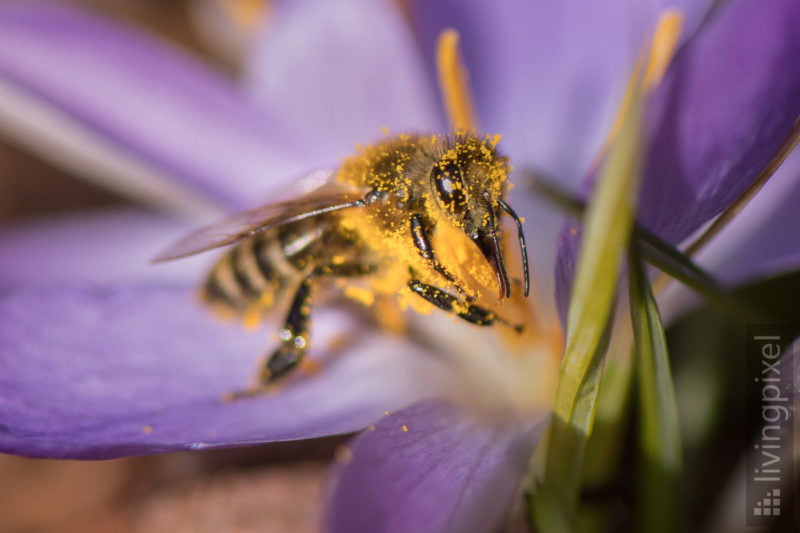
x,y
294,333
423,245
447,302
293,336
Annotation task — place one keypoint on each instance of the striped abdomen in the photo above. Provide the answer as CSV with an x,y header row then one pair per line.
x,y
253,271
262,268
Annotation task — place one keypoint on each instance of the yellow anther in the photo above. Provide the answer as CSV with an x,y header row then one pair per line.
x,y
662,48
453,82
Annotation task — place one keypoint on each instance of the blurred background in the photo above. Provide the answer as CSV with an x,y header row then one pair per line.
x,y
273,488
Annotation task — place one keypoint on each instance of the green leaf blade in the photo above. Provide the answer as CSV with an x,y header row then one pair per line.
x,y
608,224
659,432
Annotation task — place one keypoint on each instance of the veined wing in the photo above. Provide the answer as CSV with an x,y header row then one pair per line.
x,y
326,198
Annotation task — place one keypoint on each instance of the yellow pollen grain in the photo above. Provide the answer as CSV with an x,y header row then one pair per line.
x,y
147,429
360,294
494,140
266,299
371,427
404,428
453,82
389,316
252,317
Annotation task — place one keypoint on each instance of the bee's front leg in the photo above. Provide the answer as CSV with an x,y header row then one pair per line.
x,y
447,302
423,244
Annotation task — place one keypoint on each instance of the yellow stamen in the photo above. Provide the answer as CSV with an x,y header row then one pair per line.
x,y
662,49
453,82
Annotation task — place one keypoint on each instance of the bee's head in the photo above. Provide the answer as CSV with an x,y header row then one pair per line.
x,y
468,183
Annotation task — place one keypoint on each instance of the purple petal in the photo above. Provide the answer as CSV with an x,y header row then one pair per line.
x,y
340,71
105,247
569,242
102,96
729,100
432,468
762,239
93,373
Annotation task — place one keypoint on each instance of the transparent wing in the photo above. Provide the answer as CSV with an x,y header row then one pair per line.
x,y
324,198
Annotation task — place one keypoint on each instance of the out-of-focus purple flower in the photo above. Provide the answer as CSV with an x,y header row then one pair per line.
x,y
102,358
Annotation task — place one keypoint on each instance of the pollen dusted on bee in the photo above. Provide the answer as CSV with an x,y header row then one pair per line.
x,y
410,222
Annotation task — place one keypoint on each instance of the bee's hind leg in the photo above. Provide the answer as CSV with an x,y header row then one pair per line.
x,y
294,333
292,348
293,336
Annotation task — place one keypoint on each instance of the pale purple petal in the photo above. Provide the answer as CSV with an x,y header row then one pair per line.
x,y
339,71
547,75
762,240
728,101
432,468
103,247
93,373
89,92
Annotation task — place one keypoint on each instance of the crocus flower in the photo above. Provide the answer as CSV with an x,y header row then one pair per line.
x,y
103,356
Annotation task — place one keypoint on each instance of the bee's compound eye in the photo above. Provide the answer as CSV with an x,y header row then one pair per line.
x,y
448,180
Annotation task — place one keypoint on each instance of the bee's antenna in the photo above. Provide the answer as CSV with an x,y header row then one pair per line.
x,y
523,248
500,261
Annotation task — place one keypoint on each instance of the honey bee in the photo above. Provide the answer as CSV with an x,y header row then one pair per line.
x,y
414,219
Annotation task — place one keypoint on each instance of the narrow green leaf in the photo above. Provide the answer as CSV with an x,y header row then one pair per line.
x,y
605,447
659,430
607,228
